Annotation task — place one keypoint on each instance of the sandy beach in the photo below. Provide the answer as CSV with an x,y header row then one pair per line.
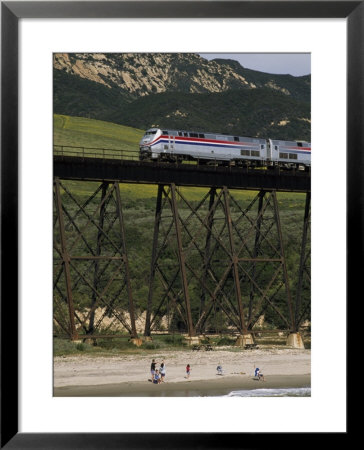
x,y
127,375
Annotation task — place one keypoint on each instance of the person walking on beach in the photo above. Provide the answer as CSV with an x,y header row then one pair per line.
x,y
162,371
188,371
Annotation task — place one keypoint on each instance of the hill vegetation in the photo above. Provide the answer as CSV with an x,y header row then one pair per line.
x,y
233,112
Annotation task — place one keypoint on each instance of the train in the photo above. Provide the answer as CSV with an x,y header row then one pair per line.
x,y
223,149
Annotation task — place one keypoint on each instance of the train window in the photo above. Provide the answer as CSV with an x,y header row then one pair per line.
x,y
283,155
292,156
236,138
180,133
245,152
299,144
276,147
193,135
150,132
255,153
185,134
201,135
165,132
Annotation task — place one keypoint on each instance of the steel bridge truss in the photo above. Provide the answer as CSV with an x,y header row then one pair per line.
x,y
217,265
91,263
303,291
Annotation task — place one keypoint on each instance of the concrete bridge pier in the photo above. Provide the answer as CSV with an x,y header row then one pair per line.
x,y
192,340
295,340
244,339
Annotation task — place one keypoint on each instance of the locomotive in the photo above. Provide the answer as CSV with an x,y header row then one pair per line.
x,y
223,149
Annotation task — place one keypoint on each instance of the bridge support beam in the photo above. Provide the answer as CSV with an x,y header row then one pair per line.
x,y
234,263
284,265
126,261
295,340
301,306
157,221
207,251
257,240
181,259
218,264
65,257
234,257
90,242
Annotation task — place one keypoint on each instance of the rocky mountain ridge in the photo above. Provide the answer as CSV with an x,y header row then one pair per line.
x,y
141,74
181,90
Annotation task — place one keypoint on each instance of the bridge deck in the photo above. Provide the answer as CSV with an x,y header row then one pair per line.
x,y
131,171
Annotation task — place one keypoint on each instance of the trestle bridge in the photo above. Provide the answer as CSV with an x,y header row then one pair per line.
x,y
216,264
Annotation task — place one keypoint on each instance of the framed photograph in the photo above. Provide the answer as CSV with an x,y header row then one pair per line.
x,y
31,34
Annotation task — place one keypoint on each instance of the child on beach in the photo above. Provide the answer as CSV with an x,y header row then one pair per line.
x,y
157,378
162,371
258,374
152,368
188,371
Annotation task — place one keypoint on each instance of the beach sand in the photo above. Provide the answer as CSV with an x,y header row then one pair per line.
x,y
127,375
222,385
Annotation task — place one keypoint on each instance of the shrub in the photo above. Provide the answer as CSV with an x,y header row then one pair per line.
x,y
175,339
225,341
149,345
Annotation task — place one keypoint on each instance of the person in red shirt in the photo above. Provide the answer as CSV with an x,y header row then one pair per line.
x,y
188,371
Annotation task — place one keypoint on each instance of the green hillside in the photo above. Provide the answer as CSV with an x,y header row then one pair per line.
x,y
257,113
260,112
81,132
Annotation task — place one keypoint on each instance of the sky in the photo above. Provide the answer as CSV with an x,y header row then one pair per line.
x,y
296,64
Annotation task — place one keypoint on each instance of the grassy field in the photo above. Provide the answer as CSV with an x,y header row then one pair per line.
x,y
78,131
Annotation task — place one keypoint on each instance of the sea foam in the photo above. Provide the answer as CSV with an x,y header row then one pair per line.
x,y
281,392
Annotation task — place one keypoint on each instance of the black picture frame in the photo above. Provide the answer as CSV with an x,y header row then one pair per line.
x,y
11,13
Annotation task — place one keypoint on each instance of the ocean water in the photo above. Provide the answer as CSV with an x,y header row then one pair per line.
x,y
282,392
